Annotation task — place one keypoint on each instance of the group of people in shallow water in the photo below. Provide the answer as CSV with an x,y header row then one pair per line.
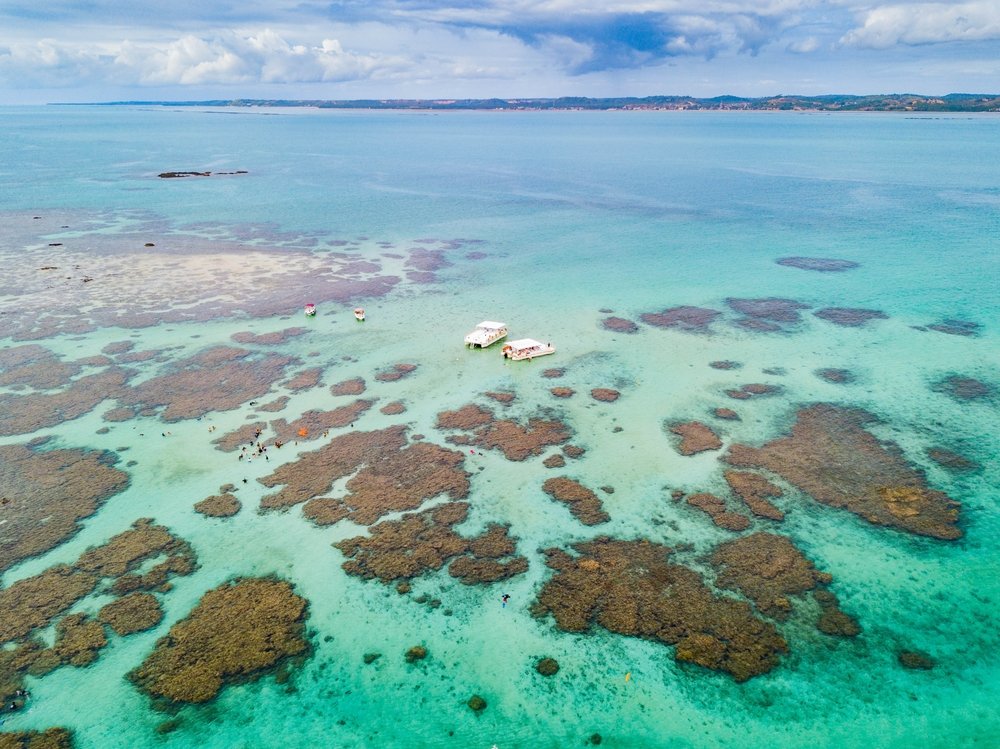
x,y
20,697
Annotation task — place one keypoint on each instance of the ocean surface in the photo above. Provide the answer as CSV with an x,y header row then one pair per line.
x,y
551,222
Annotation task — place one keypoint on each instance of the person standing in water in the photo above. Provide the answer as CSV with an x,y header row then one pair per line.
x,y
504,598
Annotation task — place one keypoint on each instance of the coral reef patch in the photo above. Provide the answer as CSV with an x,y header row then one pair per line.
x,y
696,437
632,588
820,264
238,631
583,503
687,318
850,317
219,506
50,491
831,457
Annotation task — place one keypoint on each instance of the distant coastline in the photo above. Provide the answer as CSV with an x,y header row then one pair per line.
x,y
825,103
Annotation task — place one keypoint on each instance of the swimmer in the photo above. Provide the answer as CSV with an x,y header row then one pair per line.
x,y
505,597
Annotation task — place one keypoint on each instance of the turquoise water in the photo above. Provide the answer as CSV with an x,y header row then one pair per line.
x,y
573,212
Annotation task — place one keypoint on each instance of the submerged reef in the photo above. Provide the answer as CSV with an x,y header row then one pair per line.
x,y
305,379
767,569
312,424
716,509
35,366
390,476
254,272
21,414
314,472
836,376
583,503
422,542
607,395
850,317
769,315
956,327
821,264
267,339
49,492
687,318
51,738
755,490
353,386
238,631
131,613
221,378
696,437
34,603
632,588
832,458
745,392
952,460
398,372
517,442
963,388
219,506
619,325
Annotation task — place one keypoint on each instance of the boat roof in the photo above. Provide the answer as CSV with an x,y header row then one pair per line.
x,y
491,324
525,343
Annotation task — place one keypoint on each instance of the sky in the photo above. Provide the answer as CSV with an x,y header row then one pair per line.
x,y
112,50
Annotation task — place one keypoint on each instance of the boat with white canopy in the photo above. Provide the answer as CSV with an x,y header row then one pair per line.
x,y
486,333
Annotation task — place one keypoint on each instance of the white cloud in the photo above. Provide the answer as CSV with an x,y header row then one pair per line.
x,y
926,23
225,59
804,46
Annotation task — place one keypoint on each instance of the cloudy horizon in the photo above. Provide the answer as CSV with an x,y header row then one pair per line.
x,y
101,50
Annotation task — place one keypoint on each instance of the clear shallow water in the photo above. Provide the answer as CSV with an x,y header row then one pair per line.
x,y
575,212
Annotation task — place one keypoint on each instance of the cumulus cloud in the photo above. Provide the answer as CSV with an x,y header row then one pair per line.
x,y
926,23
225,59
804,46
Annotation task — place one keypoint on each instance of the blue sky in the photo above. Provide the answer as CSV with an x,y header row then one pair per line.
x,y
85,50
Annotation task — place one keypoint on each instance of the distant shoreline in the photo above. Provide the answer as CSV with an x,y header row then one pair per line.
x,y
825,103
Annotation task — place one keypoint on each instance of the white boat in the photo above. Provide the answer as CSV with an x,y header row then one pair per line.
x,y
486,334
359,313
527,348
310,310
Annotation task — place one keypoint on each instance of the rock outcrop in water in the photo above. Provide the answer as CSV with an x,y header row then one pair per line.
x,y
832,458
238,631
632,588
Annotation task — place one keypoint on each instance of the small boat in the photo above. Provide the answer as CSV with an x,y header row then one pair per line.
x,y
359,313
526,348
310,310
486,334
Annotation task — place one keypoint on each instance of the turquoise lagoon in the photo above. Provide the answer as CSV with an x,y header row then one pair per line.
x,y
560,215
